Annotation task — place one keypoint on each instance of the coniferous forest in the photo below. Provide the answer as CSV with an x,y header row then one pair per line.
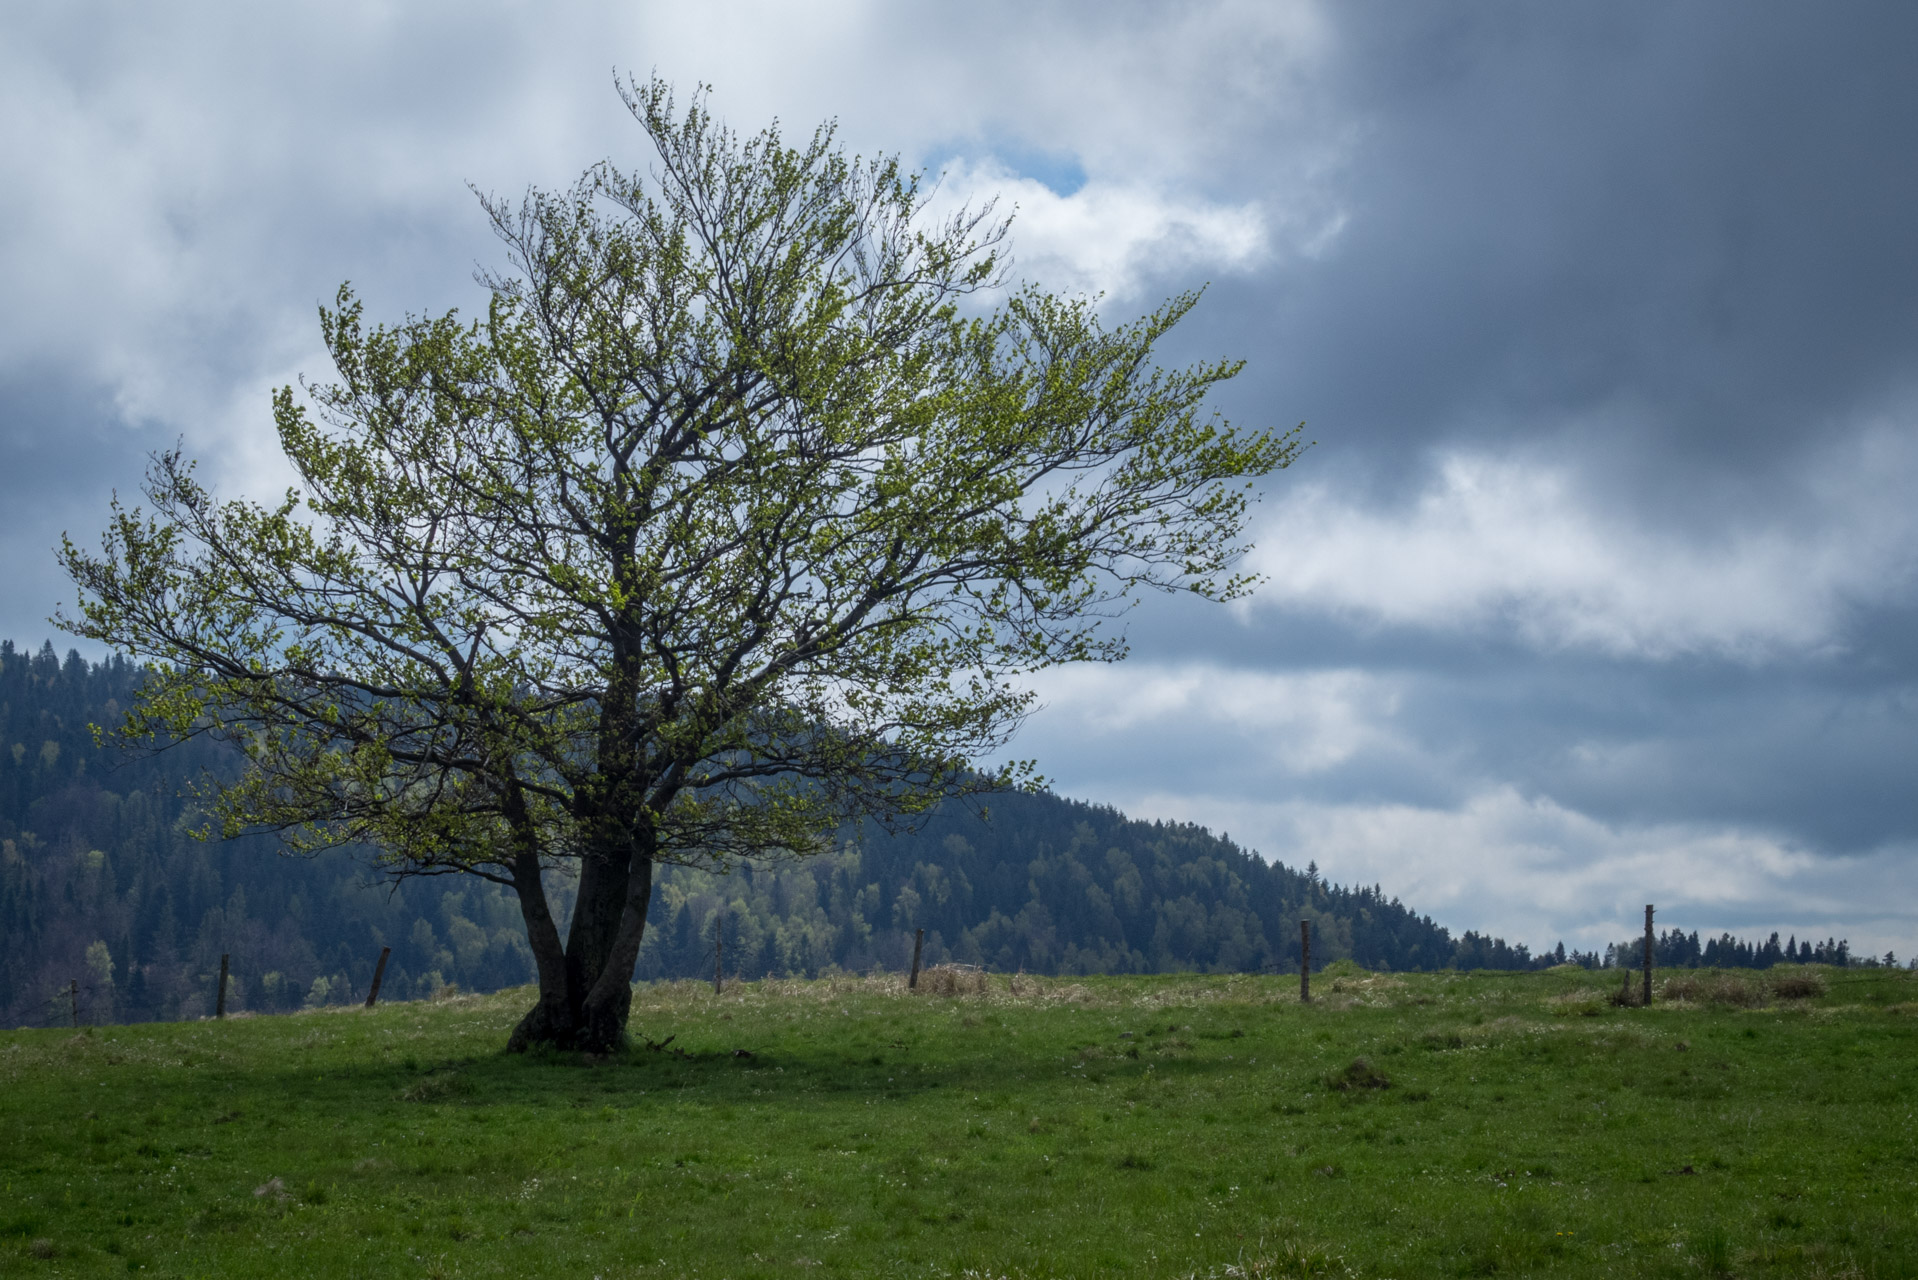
x,y
113,910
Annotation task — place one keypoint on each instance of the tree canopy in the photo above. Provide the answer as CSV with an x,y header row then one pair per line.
x,y
739,514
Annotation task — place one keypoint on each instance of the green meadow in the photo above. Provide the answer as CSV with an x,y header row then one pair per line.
x,y
1746,1124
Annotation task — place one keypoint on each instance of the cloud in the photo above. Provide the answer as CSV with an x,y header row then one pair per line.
x,y
1493,800
1173,93
1501,543
1603,314
1534,871
1109,236
1298,723
1156,107
181,189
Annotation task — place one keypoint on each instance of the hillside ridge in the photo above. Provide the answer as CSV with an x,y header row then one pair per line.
x,y
113,911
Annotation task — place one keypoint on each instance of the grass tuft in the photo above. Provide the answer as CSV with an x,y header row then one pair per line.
x,y
1357,1074
438,1087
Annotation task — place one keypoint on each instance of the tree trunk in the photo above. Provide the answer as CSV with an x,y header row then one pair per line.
x,y
586,992
586,987
609,1000
553,1019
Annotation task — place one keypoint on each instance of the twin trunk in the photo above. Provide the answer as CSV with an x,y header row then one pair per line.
x,y
585,986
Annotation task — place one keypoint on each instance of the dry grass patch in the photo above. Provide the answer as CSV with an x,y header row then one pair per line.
x,y
1715,986
954,980
1797,984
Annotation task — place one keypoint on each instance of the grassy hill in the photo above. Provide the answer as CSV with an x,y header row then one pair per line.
x,y
1749,1124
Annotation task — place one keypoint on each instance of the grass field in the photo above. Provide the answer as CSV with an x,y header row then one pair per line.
x,y
1400,1125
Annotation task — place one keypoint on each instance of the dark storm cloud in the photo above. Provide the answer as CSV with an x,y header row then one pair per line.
x,y
1677,236
65,447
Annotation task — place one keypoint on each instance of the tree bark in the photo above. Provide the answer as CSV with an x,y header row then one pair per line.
x,y
586,985
553,1019
609,1001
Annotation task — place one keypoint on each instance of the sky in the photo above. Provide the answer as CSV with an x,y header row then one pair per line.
x,y
1599,585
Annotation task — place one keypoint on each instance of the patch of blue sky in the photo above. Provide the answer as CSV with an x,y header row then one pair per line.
x,y
1059,171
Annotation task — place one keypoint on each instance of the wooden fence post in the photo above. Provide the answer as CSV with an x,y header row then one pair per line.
x,y
219,1001
719,943
73,999
1305,962
1648,954
918,941
379,976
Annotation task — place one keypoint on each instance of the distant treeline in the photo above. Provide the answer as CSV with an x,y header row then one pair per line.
x,y
1676,949
109,906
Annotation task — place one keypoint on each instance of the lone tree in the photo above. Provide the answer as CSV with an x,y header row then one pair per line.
x,y
729,523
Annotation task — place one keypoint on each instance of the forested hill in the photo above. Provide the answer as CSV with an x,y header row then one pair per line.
x,y
1041,884
103,885
108,902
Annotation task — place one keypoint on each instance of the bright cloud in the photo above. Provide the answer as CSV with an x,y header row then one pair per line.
x,y
1301,723
1495,543
1106,236
1533,871
181,189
